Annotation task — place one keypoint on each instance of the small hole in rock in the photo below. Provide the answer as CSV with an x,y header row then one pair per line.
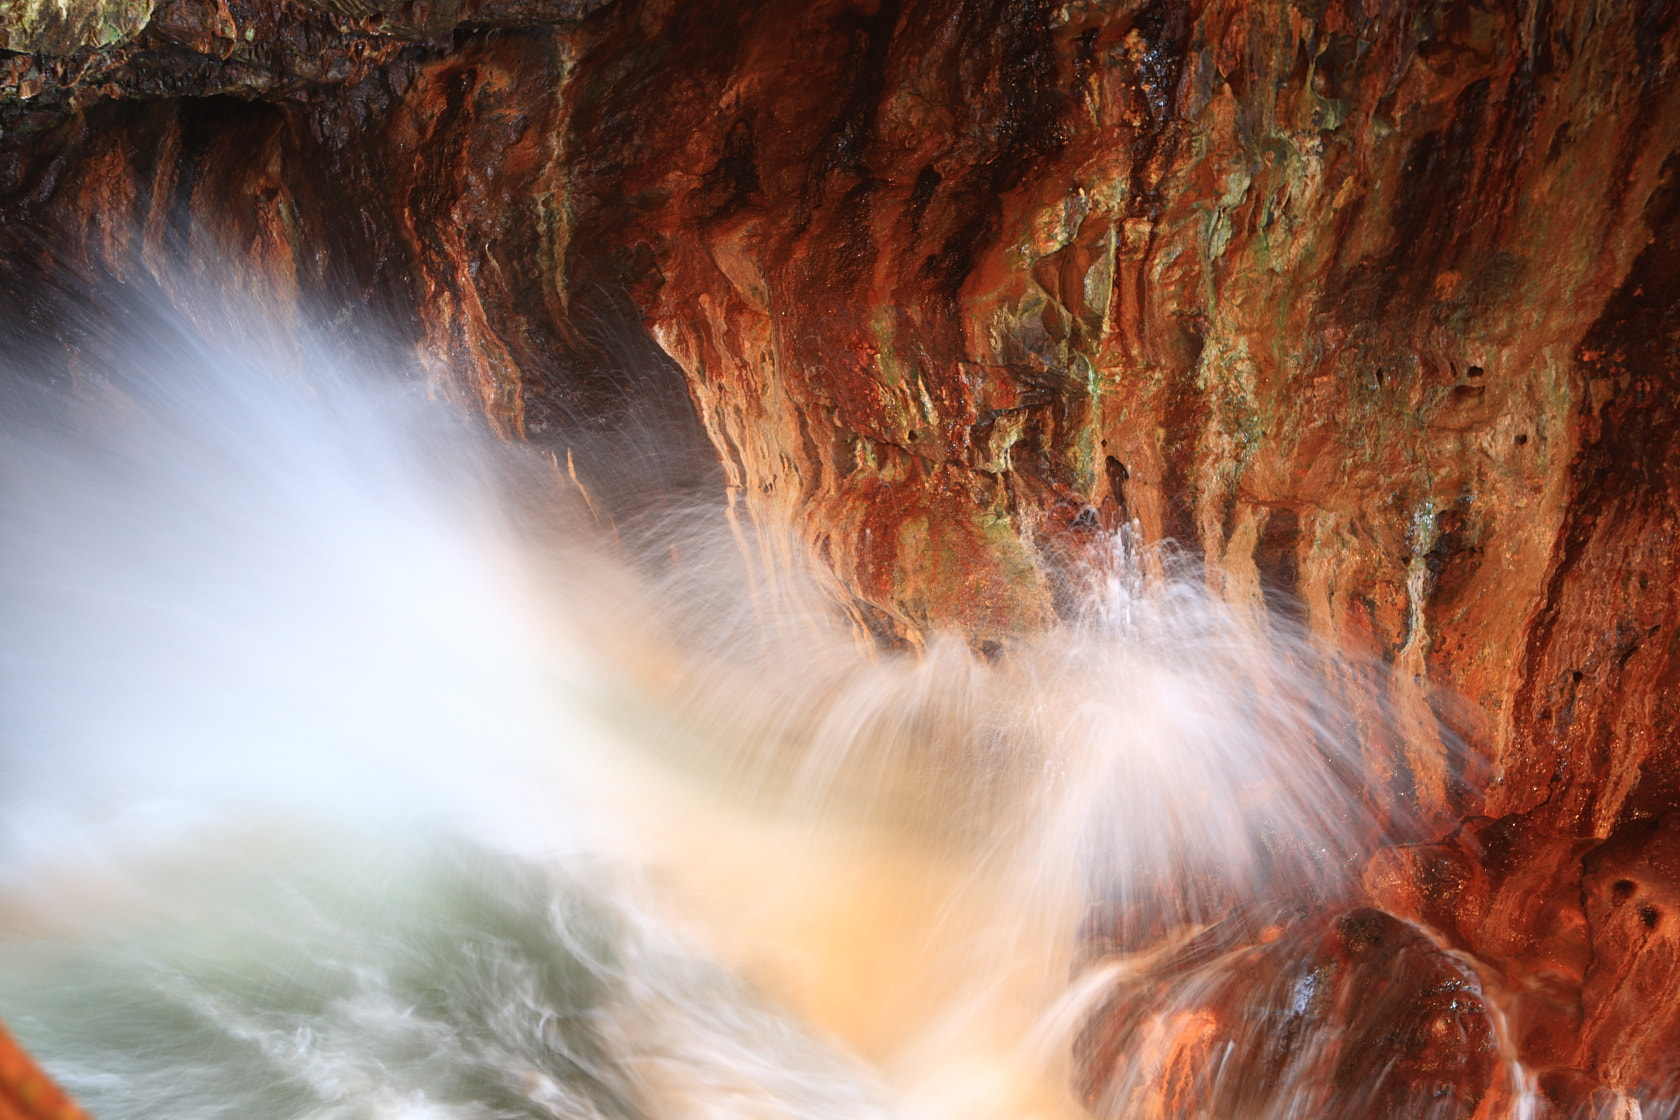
x,y
1522,438
1473,371
1648,914
1621,889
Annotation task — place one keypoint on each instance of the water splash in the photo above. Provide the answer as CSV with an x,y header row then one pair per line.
x,y
273,624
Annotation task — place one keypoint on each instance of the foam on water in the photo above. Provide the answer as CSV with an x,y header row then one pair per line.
x,y
351,770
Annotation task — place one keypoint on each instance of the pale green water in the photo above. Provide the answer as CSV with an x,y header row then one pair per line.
x,y
349,977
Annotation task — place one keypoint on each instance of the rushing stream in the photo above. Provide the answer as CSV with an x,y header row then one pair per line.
x,y
357,767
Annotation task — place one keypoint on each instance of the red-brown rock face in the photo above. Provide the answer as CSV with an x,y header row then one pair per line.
x,y
1358,1016
26,1094
1375,303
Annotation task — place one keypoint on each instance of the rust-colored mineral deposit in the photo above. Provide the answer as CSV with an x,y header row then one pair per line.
x,y
1374,304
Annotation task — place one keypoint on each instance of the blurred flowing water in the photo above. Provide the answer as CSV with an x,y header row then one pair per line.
x,y
356,766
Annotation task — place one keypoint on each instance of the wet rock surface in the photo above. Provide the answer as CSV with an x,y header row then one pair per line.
x,y
1357,1015
1374,304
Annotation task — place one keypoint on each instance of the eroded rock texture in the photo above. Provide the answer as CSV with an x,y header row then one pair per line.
x,y
1373,303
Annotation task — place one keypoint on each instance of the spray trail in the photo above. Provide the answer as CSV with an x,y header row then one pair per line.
x,y
354,769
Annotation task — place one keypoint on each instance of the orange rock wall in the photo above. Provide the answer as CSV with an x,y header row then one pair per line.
x,y
1314,293
26,1093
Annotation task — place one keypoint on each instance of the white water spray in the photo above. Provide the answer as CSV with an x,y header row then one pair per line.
x,y
333,789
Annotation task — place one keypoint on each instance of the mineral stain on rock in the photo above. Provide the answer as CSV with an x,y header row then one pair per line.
x,y
1372,304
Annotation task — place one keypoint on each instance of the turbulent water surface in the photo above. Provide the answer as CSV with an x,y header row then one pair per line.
x,y
357,767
